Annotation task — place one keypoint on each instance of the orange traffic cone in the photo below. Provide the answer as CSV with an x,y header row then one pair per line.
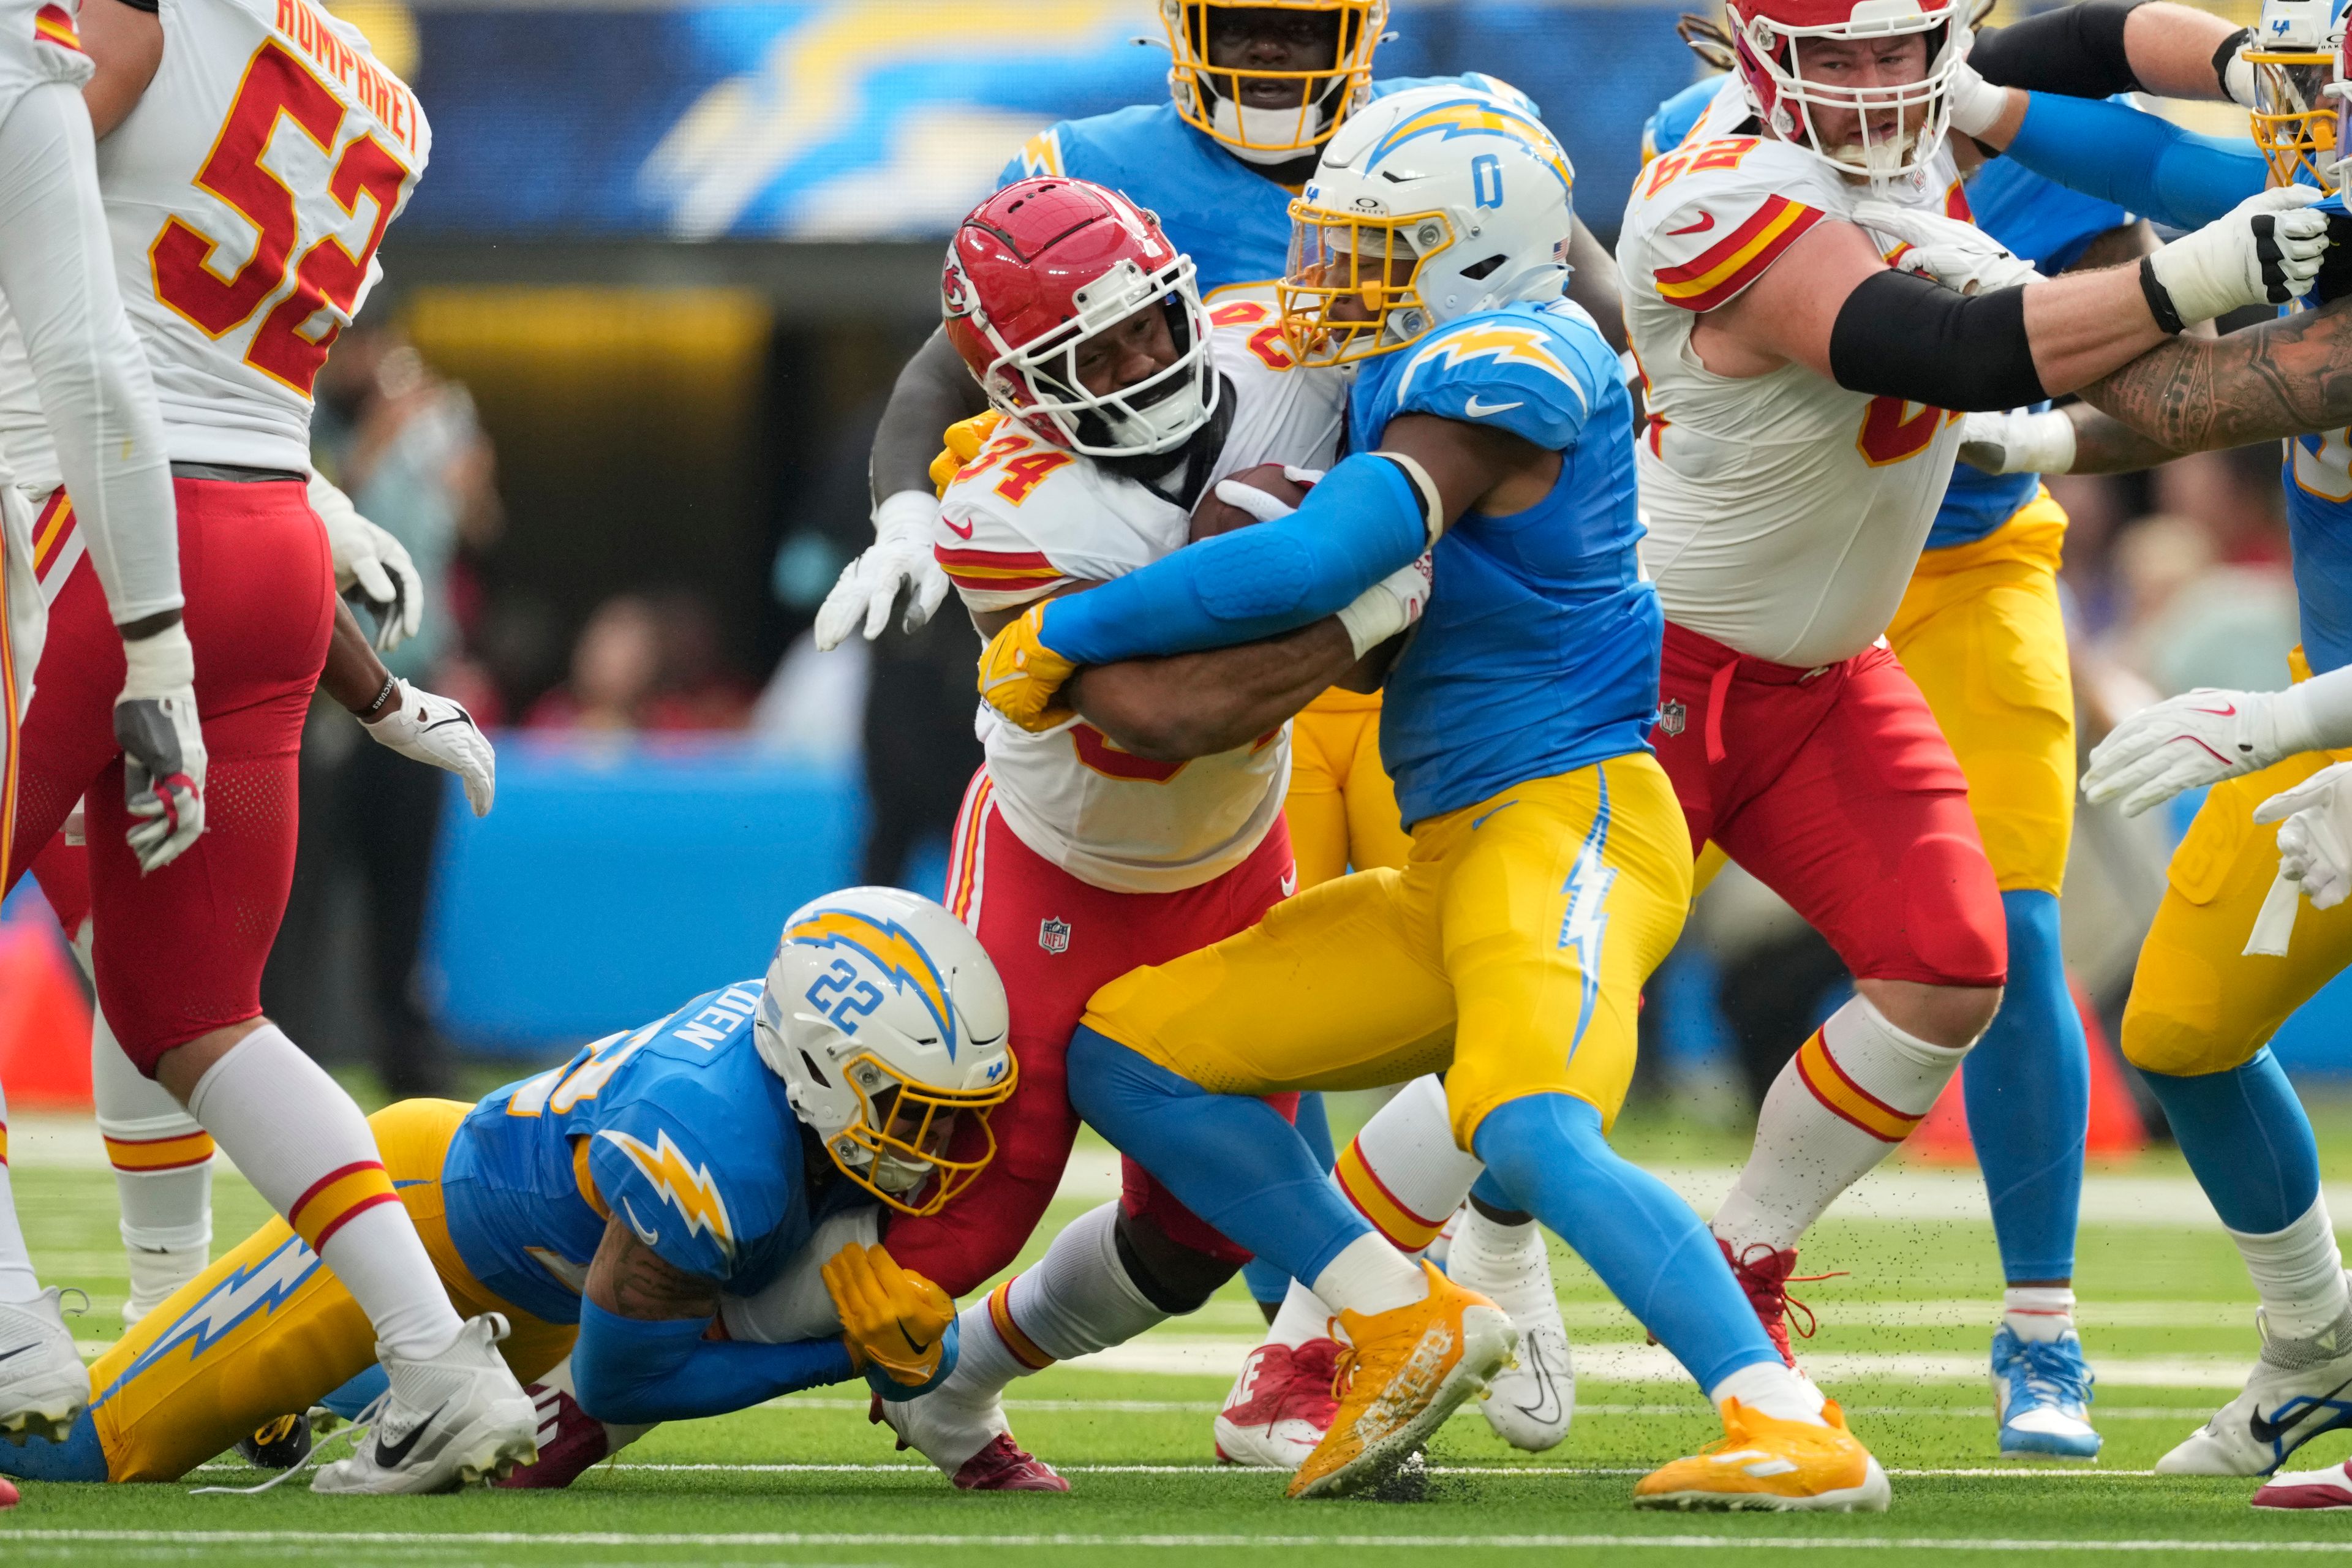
x,y
44,1021
2115,1129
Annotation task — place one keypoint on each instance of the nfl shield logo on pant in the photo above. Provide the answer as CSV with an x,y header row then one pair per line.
x,y
1672,717
1054,935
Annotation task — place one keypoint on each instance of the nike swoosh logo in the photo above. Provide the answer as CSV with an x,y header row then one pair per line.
x,y
1546,1406
963,532
465,718
1705,221
917,1346
2228,713
1477,410
390,1456
1475,821
2271,1431
649,1237
20,1350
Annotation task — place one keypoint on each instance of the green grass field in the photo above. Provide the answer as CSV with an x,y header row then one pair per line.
x,y
2167,1315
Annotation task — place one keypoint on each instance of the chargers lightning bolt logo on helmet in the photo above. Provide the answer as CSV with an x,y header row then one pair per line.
x,y
1474,117
889,947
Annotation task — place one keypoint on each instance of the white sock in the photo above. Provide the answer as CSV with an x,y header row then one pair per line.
x,y
162,1159
1773,1389
304,1145
1404,1173
1073,1302
1302,1317
1369,1277
17,1280
2299,1273
1851,1094
2038,1313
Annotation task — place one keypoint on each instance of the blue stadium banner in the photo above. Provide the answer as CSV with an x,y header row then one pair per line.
x,y
887,119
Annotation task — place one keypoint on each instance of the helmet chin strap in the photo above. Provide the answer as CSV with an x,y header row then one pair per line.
x,y
1237,124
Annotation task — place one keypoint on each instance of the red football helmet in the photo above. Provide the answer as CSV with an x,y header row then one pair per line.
x,y
1766,35
1044,265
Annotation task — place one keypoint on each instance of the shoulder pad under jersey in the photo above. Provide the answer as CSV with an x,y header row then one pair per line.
x,y
1673,119
1014,523
1707,220
695,1174
1536,373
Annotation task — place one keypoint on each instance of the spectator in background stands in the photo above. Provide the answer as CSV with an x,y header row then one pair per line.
x,y
646,664
408,448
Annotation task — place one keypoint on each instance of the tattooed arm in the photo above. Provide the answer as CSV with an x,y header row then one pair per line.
x,y
2288,377
630,1280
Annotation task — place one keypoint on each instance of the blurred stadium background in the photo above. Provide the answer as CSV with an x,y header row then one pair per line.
x,y
616,396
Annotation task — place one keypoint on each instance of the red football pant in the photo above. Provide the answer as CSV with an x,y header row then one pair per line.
x,y
1836,789
1055,940
179,954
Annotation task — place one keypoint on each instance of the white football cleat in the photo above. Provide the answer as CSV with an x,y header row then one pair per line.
x,y
2298,1389
447,1420
44,1387
2328,1488
1528,1405
156,1272
1279,1406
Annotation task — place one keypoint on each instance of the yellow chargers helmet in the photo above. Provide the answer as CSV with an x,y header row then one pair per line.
x,y
1265,115
888,1023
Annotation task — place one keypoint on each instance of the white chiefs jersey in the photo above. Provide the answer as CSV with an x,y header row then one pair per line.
x,y
1786,513
1024,520
245,197
37,43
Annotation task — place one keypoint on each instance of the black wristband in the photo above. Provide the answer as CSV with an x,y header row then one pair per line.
x,y
374,709
2228,52
2159,302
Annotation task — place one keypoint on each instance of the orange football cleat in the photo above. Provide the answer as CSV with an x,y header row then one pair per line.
x,y
1402,1374
1762,1462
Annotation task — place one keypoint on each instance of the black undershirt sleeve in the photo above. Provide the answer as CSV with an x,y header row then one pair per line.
x,y
2077,50
150,6
1901,336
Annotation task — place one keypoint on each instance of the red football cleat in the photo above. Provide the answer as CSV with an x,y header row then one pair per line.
x,y
7,1492
1765,1274
570,1442
2328,1488
1280,1406
1005,1466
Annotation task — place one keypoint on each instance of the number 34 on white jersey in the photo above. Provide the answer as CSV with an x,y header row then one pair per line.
x,y
247,194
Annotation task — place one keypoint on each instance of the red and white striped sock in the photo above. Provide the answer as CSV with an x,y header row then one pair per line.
x,y
2038,1313
1403,1172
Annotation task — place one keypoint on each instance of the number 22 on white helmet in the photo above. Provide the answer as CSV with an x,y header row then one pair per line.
x,y
887,1022
1428,205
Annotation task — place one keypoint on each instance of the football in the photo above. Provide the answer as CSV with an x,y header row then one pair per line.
x,y
1214,517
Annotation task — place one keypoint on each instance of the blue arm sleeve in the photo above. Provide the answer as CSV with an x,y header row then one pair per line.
x,y
891,1389
630,1371
1361,523
2137,161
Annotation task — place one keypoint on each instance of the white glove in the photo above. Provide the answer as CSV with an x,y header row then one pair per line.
x,y
2237,78
2018,442
2197,738
899,557
2315,835
2264,251
1264,505
438,729
163,747
1975,102
1960,255
1388,606
373,562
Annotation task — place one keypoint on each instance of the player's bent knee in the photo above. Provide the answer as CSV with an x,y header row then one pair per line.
x,y
2157,1044
1951,1016
1172,1276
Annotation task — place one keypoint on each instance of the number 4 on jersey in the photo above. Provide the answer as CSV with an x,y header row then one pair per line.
x,y
277,86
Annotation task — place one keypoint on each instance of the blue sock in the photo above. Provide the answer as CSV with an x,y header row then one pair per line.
x,y
2246,1136
1268,1285
1230,1159
2028,1087
78,1458
1547,1154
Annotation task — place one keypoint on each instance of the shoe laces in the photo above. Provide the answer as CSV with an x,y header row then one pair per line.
x,y
2049,1371
360,1426
1767,1284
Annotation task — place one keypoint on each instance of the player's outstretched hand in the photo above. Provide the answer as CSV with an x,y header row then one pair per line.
x,y
891,1317
2200,737
2020,441
1960,255
900,557
2315,835
2265,251
162,746
370,561
1020,676
437,729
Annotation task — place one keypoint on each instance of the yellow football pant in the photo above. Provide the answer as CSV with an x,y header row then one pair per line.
x,y
268,1330
2197,1004
1342,809
1981,632
1512,947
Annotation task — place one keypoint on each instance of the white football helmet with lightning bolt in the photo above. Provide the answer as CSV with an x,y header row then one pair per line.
x,y
887,1022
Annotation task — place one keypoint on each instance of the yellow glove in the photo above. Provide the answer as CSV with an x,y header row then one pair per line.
x,y
1019,675
965,439
892,1318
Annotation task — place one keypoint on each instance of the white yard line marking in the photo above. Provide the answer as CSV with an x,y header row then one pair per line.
x,y
426,1541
